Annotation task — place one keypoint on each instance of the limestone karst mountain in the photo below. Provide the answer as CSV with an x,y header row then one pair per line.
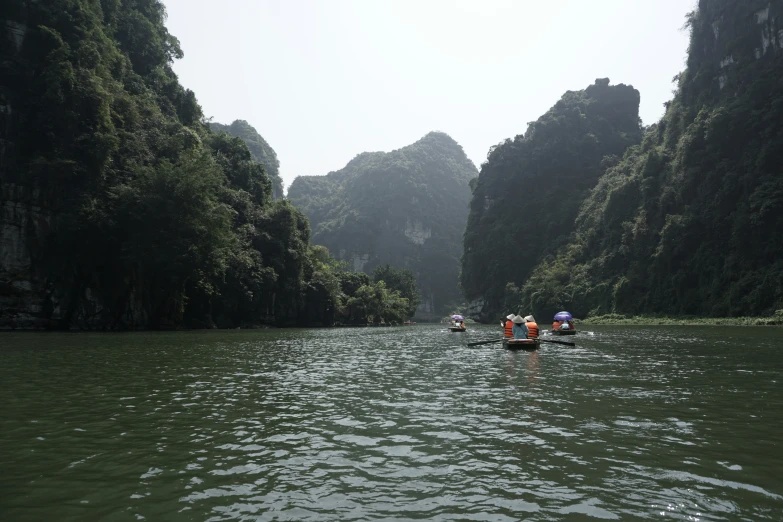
x,y
690,222
531,188
406,208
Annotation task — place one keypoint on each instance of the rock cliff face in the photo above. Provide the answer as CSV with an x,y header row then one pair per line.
x,y
690,221
406,208
15,214
530,189
30,204
261,151
25,208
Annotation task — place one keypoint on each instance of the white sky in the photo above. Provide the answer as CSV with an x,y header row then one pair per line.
x,y
323,80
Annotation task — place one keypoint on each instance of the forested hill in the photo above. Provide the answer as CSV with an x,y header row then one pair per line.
x,y
531,188
691,220
121,208
261,151
406,208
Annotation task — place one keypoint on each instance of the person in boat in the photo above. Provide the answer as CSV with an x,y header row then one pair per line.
x,y
519,329
508,326
567,325
532,327
562,325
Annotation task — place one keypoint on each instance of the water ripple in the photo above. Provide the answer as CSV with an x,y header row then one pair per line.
x,y
391,424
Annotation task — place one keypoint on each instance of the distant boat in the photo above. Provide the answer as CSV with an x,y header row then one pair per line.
x,y
458,319
565,319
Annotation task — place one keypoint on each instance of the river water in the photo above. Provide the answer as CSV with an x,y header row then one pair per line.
x,y
399,423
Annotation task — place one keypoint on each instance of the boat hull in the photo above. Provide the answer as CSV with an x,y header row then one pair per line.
x,y
529,345
454,329
563,332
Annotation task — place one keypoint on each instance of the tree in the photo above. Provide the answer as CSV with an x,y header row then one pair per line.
x,y
401,280
177,232
379,304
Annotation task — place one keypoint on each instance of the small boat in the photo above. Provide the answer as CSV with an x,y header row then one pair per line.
x,y
563,319
457,319
528,345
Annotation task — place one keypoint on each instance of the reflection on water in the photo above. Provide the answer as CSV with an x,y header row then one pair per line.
x,y
391,424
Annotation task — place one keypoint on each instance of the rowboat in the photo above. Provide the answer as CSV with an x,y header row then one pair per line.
x,y
563,332
456,329
529,345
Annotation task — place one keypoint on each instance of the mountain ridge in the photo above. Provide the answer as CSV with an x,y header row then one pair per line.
x,y
530,189
261,151
404,207
689,221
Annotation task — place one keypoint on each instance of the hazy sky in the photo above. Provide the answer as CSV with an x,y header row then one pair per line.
x,y
323,80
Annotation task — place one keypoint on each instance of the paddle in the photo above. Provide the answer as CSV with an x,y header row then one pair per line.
x,y
477,343
558,342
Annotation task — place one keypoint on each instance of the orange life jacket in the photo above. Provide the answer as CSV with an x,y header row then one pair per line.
x,y
556,325
532,330
508,329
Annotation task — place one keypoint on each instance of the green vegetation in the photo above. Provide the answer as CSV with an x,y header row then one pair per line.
x,y
400,280
530,190
352,298
581,214
259,150
379,304
617,319
142,217
124,208
405,208
690,221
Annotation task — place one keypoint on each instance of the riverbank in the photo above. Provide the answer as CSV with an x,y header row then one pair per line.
x,y
619,319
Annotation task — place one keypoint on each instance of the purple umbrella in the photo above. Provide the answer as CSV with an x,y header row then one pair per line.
x,y
457,317
563,316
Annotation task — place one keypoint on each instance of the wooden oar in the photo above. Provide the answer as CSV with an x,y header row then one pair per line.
x,y
558,342
477,343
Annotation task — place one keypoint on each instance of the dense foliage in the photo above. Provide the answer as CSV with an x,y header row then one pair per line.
x,y
259,149
353,298
530,189
405,208
691,220
401,280
142,216
379,304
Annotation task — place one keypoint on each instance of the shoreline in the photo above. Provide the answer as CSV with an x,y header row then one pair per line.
x,y
646,320
601,320
253,328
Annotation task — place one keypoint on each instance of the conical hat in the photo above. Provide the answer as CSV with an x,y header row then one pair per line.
x,y
518,319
